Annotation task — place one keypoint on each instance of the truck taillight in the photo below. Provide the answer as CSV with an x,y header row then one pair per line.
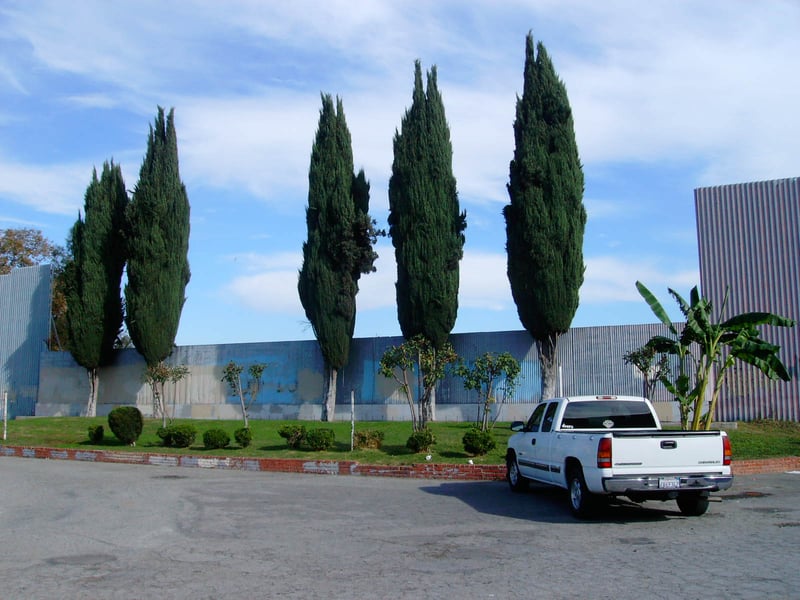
x,y
604,453
726,450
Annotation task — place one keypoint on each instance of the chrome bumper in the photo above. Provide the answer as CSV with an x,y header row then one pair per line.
x,y
654,483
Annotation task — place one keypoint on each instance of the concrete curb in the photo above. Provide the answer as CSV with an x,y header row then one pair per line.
x,y
457,472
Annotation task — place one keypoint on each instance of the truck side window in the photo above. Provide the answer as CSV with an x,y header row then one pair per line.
x,y
549,416
536,418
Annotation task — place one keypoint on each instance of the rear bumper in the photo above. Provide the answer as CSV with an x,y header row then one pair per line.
x,y
656,484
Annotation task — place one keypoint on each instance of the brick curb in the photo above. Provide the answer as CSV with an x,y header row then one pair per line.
x,y
280,465
330,467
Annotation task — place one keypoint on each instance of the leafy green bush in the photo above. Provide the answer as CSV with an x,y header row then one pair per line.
x,y
320,439
477,442
243,436
421,441
177,436
96,433
126,423
369,438
293,434
216,438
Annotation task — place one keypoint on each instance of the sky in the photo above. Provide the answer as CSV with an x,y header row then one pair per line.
x,y
667,96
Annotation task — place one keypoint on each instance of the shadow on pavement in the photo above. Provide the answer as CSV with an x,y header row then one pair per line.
x,y
547,504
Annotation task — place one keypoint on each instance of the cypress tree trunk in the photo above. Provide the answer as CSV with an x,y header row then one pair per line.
x,y
329,405
94,382
548,359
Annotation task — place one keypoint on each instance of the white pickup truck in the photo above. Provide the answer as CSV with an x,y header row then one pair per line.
x,y
605,446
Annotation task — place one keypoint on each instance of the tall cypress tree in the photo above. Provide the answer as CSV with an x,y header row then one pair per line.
x,y
92,278
339,244
157,246
545,220
425,222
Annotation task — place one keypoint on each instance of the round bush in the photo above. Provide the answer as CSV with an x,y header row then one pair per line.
x,y
368,438
177,436
126,423
320,439
243,436
477,442
293,434
96,433
216,438
421,441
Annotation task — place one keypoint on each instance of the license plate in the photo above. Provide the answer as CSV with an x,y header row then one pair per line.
x,y
667,483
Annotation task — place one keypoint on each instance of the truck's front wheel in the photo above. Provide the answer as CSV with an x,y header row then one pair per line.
x,y
693,505
581,500
516,481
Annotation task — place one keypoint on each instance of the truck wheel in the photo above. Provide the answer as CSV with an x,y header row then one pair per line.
x,y
692,505
581,500
516,481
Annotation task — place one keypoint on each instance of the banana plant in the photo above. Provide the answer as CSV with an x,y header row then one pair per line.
x,y
707,347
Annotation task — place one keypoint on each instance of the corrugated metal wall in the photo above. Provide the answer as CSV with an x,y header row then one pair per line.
x,y
749,241
591,360
24,330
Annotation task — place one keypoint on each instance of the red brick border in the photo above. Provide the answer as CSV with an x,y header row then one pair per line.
x,y
330,467
283,465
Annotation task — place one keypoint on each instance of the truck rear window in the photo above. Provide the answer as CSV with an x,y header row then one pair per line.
x,y
607,414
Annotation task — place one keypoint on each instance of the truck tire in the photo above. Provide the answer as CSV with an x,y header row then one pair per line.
x,y
692,505
581,501
516,481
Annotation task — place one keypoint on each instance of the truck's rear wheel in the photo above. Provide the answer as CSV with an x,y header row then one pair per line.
x,y
516,481
581,501
693,505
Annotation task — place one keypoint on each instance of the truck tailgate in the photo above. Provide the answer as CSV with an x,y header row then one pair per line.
x,y
667,451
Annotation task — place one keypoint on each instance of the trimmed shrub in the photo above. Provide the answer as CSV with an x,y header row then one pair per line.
x,y
293,434
177,436
369,438
243,436
216,438
477,442
320,439
126,423
96,433
421,441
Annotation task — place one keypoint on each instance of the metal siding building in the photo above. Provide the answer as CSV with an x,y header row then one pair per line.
x,y
24,330
591,361
749,243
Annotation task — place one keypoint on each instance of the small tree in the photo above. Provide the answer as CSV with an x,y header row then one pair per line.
x,y
650,364
484,375
232,375
707,347
157,376
431,363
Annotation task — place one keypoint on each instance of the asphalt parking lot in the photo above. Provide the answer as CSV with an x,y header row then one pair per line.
x,y
95,530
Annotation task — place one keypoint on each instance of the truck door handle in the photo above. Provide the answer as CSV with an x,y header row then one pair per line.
x,y
533,442
669,444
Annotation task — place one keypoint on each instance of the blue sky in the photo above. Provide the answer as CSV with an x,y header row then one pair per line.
x,y
667,95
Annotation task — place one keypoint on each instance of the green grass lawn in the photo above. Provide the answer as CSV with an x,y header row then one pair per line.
x,y
760,439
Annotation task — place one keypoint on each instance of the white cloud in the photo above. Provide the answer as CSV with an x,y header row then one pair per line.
x,y
57,189
612,279
268,283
